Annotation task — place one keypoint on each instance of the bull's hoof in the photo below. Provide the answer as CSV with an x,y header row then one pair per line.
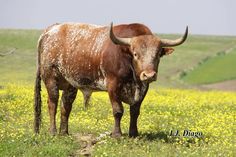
x,y
116,135
63,133
133,134
53,132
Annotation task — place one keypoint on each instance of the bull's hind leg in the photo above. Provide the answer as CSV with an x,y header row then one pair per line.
x,y
53,94
68,97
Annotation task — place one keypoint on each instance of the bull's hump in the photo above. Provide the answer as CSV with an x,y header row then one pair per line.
x,y
91,26
86,37
56,28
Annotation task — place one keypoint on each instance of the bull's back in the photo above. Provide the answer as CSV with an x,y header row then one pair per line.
x,y
75,50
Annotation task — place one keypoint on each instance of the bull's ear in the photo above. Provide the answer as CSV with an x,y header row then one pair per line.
x,y
166,51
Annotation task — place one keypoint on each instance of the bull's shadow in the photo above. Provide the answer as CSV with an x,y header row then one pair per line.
x,y
164,136
154,136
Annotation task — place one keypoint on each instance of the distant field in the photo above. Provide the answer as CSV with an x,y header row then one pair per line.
x,y
188,55
216,69
20,67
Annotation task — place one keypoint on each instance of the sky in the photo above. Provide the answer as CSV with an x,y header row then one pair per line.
x,y
214,17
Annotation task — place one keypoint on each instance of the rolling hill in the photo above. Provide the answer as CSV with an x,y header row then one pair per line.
x,y
20,66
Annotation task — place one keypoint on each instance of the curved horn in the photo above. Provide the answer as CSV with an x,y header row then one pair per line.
x,y
170,43
117,40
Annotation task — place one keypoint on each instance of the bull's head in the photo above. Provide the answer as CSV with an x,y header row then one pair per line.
x,y
147,51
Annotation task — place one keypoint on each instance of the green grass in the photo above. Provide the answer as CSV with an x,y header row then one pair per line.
x,y
216,69
211,113
21,65
42,145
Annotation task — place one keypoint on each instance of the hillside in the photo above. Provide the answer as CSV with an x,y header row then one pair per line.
x,y
20,67
216,69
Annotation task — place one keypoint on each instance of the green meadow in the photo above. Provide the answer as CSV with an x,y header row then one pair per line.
x,y
168,106
215,69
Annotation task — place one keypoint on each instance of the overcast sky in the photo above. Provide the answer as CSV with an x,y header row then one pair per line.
x,y
166,16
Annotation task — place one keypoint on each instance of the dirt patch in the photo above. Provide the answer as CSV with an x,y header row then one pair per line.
x,y
87,142
223,86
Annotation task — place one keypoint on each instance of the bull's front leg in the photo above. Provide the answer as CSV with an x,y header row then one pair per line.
x,y
134,113
117,107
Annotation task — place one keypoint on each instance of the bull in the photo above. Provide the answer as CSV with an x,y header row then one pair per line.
x,y
122,60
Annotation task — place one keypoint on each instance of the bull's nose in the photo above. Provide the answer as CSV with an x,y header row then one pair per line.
x,y
148,76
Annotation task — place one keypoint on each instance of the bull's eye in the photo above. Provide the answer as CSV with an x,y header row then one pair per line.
x,y
135,55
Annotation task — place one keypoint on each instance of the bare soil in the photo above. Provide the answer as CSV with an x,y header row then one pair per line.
x,y
87,142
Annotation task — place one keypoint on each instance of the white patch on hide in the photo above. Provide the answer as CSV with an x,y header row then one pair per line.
x,y
137,94
54,29
99,40
101,84
72,82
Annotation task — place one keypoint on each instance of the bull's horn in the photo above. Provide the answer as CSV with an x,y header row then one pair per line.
x,y
117,40
170,43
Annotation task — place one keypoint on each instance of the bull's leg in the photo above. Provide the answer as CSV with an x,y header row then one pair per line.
x,y
53,94
68,97
117,113
117,107
134,113
87,94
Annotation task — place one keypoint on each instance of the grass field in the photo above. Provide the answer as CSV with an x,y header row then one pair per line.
x,y
189,55
216,69
20,67
164,109
211,113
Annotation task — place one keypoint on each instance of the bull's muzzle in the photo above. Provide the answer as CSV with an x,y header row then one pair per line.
x,y
148,76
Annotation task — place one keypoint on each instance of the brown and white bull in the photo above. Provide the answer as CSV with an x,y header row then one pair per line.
x,y
121,60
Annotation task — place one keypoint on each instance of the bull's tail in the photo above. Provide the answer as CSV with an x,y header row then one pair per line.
x,y
37,93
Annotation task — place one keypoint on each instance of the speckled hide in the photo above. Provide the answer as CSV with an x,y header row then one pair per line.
x,y
121,60
76,53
